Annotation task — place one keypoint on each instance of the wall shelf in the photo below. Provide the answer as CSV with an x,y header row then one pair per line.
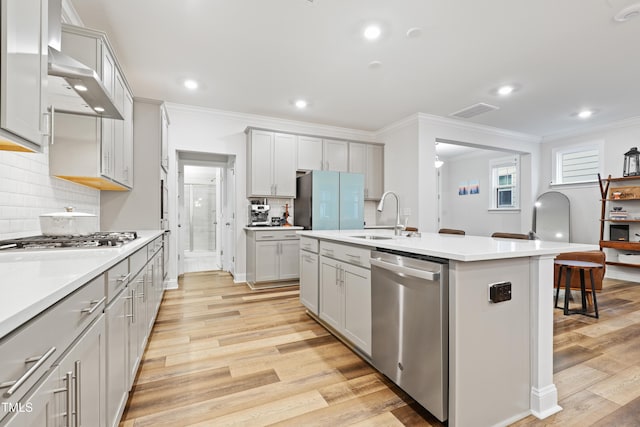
x,y
625,246
622,264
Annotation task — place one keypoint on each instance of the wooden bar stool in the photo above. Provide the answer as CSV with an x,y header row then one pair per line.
x,y
581,266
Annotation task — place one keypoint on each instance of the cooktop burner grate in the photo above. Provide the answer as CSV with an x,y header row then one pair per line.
x,y
117,238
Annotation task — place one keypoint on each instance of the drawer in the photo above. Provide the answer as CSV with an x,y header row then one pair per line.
x,y
309,244
154,247
356,255
117,278
137,261
27,353
277,235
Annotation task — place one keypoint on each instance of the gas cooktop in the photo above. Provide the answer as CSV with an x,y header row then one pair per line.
x,y
106,238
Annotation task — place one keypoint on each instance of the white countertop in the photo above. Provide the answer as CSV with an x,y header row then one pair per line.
x,y
268,227
451,246
33,280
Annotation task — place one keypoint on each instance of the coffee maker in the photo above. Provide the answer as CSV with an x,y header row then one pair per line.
x,y
258,213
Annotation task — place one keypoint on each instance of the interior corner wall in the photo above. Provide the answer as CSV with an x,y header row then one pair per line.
x,y
585,199
401,172
212,131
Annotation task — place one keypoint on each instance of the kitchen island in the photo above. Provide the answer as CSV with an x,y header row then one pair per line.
x,y
500,355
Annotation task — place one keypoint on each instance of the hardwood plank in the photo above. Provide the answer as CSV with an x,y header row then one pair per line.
x,y
620,388
570,356
577,378
627,416
386,419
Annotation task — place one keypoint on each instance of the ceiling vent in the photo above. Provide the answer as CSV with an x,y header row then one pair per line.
x,y
474,110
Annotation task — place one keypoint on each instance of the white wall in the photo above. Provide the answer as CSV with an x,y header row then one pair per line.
x,y
585,199
410,153
470,212
27,191
222,132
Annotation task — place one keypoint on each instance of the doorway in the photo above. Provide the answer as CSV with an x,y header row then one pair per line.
x,y
204,212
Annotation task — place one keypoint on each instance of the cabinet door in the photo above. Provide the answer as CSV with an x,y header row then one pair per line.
x,y
85,363
117,356
288,264
108,70
335,155
266,261
164,137
331,300
357,306
374,177
284,165
128,140
23,67
309,153
44,407
107,147
261,167
309,280
118,131
357,157
141,318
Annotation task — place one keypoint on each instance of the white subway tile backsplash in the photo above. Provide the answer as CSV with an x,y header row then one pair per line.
x,y
27,191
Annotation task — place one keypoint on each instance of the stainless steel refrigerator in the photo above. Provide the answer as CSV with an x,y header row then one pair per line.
x,y
327,200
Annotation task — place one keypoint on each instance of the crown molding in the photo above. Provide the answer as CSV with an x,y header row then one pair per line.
x,y
269,122
70,15
632,121
489,130
399,124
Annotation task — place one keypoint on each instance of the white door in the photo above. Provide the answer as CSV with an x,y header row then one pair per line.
x,y
228,246
357,306
289,263
330,293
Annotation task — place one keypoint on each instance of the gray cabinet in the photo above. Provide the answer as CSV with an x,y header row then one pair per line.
x,y
88,150
117,339
23,74
271,164
43,407
368,159
335,155
345,292
272,256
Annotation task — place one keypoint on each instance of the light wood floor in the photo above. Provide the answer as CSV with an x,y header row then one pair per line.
x,y
221,354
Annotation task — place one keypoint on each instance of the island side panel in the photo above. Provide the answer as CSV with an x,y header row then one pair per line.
x,y
544,395
489,343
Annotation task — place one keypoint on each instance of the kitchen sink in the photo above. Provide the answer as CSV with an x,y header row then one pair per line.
x,y
373,237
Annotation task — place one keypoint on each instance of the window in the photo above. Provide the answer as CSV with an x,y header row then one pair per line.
x,y
504,178
577,164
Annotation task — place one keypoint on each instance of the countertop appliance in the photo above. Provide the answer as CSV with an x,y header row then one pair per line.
x,y
258,214
102,238
327,200
410,331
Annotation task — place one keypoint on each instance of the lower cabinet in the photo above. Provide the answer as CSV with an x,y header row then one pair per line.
x,y
345,299
272,256
117,353
309,280
44,407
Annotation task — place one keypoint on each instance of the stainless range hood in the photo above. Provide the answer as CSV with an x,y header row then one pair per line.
x,y
73,87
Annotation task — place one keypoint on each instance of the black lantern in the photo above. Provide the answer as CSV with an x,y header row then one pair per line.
x,y
631,162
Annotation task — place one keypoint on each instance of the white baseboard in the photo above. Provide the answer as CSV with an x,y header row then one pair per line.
x,y
171,284
240,278
622,273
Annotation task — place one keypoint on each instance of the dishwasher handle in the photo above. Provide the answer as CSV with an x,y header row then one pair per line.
x,y
406,271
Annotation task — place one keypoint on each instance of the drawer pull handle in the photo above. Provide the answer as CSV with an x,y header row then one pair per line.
x,y
15,385
94,306
78,395
290,235
354,256
68,377
267,237
123,278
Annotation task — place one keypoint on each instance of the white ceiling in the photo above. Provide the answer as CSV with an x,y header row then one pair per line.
x,y
258,56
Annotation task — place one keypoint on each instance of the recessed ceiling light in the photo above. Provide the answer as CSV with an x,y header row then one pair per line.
x,y
99,109
414,32
191,84
80,88
505,90
627,13
372,32
301,104
374,65
585,114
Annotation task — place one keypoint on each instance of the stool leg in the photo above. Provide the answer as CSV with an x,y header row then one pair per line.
x,y
567,291
583,290
593,291
555,304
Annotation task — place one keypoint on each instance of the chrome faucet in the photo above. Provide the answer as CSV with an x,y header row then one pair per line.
x,y
398,227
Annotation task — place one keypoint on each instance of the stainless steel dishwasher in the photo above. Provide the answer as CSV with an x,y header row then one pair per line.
x,y
410,325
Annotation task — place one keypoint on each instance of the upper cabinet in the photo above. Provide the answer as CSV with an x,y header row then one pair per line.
x,y
271,164
86,149
368,159
23,74
164,139
335,155
309,153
